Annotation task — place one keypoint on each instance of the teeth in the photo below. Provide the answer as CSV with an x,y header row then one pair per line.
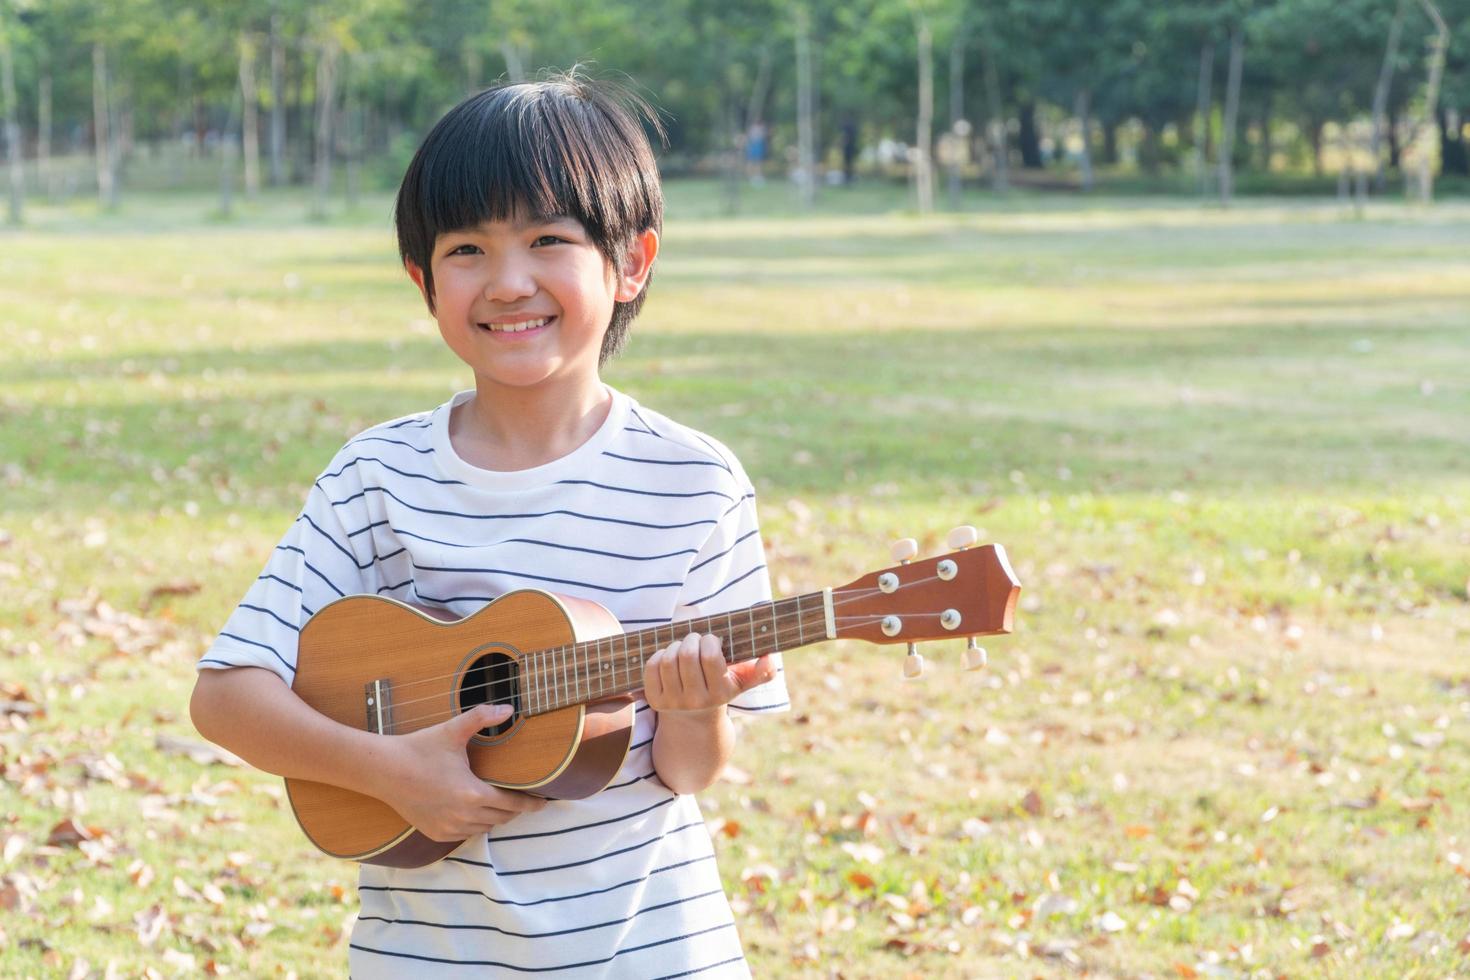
x,y
517,327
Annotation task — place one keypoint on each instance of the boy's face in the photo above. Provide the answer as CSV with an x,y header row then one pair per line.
x,y
526,302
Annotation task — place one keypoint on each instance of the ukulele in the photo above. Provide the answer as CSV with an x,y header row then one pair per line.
x,y
569,674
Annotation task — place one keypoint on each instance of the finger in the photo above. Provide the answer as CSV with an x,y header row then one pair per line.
x,y
507,799
712,663
668,671
691,669
653,687
753,673
480,716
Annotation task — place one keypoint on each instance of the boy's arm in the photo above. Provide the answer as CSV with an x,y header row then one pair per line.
x,y
424,776
688,684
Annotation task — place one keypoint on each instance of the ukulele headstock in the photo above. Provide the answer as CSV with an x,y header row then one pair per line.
x,y
969,592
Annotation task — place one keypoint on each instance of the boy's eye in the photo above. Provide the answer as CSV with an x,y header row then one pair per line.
x,y
549,239
460,249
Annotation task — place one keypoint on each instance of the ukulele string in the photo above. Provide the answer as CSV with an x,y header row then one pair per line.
x,y
561,676
848,596
558,674
561,680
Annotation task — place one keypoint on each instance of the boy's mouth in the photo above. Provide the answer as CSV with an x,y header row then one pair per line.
x,y
518,326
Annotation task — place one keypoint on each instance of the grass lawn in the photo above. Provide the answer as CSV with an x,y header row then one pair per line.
x,y
1229,452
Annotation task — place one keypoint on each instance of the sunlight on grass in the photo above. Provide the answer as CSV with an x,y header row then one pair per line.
x,y
1226,449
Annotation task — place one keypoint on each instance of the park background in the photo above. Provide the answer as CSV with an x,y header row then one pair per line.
x,y
1173,300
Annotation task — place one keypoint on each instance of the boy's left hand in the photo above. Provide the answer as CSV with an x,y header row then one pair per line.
x,y
692,675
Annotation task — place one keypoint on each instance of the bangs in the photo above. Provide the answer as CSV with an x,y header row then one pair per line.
x,y
549,148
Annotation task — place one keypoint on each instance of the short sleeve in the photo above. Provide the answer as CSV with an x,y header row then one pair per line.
x,y
313,565
729,573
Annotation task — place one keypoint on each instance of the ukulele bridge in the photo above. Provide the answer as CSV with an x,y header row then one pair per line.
x,y
378,696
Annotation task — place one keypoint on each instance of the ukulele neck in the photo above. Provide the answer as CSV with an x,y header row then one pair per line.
x,y
593,670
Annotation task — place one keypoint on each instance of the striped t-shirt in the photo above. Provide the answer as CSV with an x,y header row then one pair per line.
x,y
653,520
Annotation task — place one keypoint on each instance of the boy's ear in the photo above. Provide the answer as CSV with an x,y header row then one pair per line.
x,y
637,265
417,275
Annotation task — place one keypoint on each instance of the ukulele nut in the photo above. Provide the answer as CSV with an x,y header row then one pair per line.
x,y
950,619
947,569
891,625
888,582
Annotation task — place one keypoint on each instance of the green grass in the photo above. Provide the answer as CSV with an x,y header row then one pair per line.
x,y
1227,450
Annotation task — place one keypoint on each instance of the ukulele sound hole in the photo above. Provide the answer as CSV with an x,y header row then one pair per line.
x,y
492,679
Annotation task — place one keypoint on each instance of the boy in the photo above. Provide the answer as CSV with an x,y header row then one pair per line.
x,y
529,219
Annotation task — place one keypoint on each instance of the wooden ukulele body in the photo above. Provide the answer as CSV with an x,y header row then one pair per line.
x,y
377,664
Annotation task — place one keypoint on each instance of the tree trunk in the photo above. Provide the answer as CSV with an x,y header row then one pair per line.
x,y
278,103
734,145
755,109
182,105
1380,93
227,159
1082,108
351,133
924,131
474,65
250,128
1029,138
1202,100
12,130
1148,149
43,137
1431,97
1391,131
326,91
1110,142
1314,137
1268,145
1232,108
515,60
102,145
301,123
805,138
1453,157
1000,173
958,130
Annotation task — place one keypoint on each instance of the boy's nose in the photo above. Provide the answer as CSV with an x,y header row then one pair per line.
x,y
508,283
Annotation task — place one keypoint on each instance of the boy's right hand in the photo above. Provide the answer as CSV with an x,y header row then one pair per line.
x,y
428,779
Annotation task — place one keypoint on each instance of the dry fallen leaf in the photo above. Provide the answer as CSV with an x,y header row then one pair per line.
x,y
68,833
179,588
201,752
1031,803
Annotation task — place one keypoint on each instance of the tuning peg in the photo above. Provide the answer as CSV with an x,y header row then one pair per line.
x,y
913,664
962,537
903,549
975,658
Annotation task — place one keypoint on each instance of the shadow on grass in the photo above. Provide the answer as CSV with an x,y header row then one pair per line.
x,y
908,413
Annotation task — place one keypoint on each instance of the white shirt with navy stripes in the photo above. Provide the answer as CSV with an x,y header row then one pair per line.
x,y
650,518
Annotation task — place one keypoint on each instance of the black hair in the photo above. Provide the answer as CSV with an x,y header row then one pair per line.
x,y
566,146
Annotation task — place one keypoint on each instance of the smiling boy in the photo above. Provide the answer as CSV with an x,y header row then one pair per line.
x,y
529,219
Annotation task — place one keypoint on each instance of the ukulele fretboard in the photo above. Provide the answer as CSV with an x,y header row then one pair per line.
x,y
579,673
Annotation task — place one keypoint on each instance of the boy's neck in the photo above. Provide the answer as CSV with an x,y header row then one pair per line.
x,y
508,429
